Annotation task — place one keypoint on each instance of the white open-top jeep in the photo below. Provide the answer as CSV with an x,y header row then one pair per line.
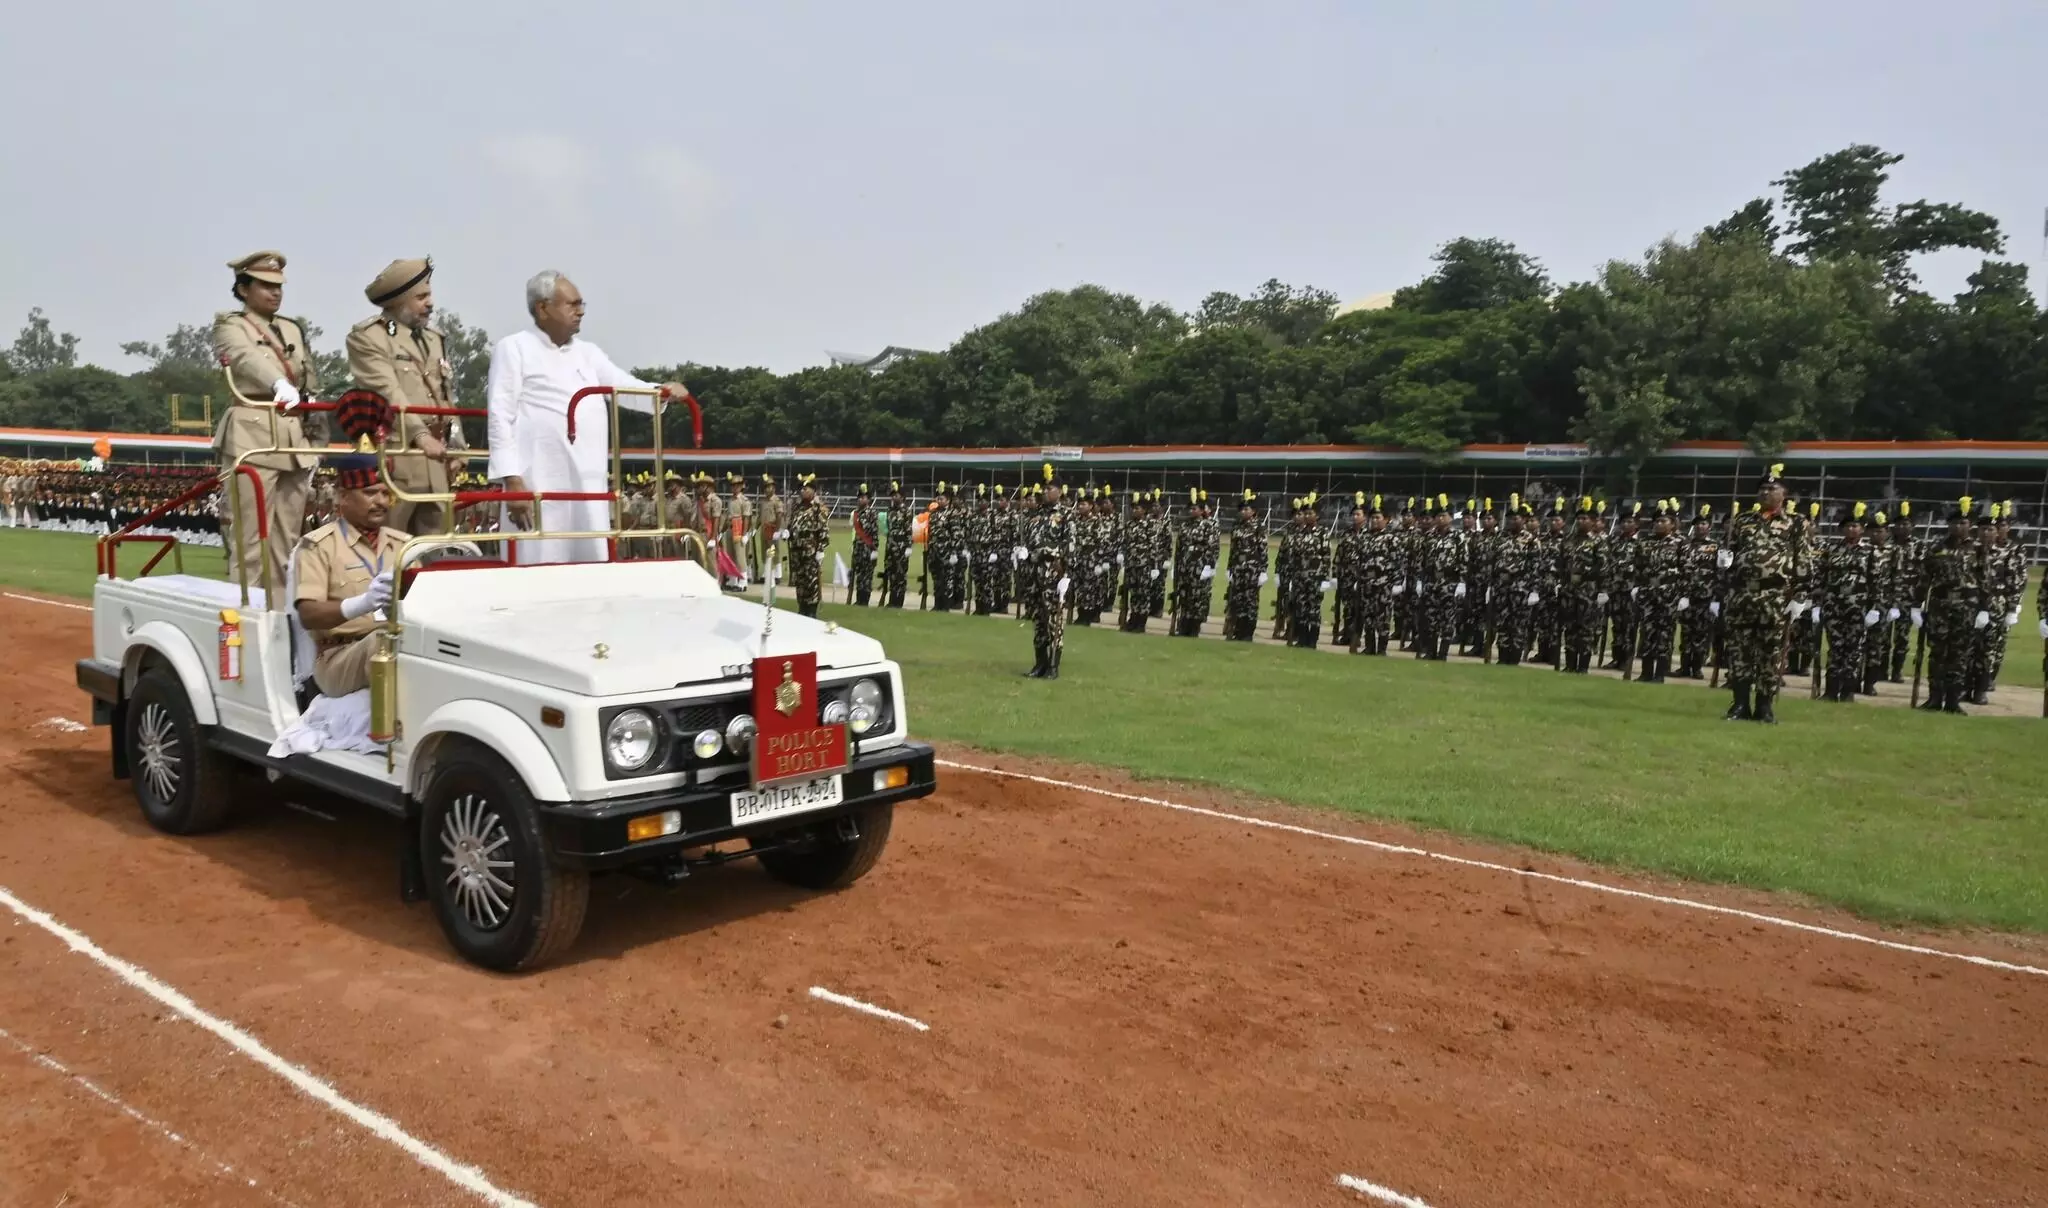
x,y
533,725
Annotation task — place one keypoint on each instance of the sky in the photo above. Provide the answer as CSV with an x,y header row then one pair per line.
x,y
758,183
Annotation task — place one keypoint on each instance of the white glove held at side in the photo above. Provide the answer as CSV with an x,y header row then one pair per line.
x,y
1983,619
1600,599
1684,602
284,392
374,597
1872,617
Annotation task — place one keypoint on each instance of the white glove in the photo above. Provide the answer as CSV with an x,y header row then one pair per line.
x,y
991,559
1983,619
1460,592
956,559
1633,592
284,392
1262,578
1018,553
1208,572
1063,589
1152,574
1328,584
2044,630
1918,618
1725,559
1797,608
1119,559
1399,588
1102,568
2011,619
782,534
1684,602
1872,617
1600,599
1891,614
1816,614
1714,609
374,597
1421,588
1534,599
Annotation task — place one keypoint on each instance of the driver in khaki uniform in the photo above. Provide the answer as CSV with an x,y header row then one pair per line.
x,y
268,359
345,575
398,355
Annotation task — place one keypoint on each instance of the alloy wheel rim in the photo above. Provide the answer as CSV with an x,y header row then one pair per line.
x,y
479,877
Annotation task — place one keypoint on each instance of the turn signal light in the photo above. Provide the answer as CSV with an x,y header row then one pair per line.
x,y
654,826
891,778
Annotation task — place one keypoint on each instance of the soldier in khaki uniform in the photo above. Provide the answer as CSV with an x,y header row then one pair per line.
x,y
774,512
398,355
268,360
739,527
345,574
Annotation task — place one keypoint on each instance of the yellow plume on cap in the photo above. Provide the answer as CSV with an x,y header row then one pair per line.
x,y
1194,494
1601,507
1777,468
1411,503
999,490
1586,503
1205,495
1471,505
1813,510
1313,498
1358,498
942,486
1995,512
1375,503
1443,500
1636,508
1861,508
1880,520
1514,501
895,485
1905,508
1048,471
1250,495
1706,511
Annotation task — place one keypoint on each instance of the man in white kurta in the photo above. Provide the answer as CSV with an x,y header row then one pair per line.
x,y
534,373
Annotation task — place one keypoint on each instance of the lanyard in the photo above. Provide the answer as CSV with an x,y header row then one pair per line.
x,y
361,561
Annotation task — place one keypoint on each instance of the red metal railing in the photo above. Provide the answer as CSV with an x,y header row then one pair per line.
x,y
696,411
107,549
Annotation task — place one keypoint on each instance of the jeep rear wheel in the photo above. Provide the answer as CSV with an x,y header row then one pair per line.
x,y
829,860
500,903
182,786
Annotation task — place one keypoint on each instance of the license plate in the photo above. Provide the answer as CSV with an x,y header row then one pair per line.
x,y
779,800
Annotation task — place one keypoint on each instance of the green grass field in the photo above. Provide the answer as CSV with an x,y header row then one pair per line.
x,y
1900,816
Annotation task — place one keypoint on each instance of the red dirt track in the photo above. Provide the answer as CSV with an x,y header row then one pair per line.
x,y
1128,1006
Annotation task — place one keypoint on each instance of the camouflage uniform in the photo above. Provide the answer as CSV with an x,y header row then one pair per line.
x,y
1308,565
1379,572
1247,574
1050,547
1766,566
1443,588
866,534
1518,559
981,554
1622,592
1906,590
1581,580
810,531
1952,578
1848,596
2005,578
896,552
1698,615
1346,567
1194,576
1660,570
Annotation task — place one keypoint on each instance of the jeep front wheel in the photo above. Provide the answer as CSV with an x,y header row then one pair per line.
x,y
182,786
500,903
830,860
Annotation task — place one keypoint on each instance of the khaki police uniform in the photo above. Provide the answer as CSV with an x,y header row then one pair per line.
x,y
336,562
409,367
258,352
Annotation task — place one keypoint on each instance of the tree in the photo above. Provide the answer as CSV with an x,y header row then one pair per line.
x,y
1474,274
468,350
187,347
1755,220
1285,314
1835,209
38,349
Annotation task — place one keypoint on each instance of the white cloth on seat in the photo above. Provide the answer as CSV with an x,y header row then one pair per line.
x,y
330,723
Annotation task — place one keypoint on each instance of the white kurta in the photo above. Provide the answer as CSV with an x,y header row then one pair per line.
x,y
532,380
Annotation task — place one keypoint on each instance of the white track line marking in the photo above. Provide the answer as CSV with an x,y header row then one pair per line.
x,y
64,724
52,603
1386,1195
469,1178
867,1008
108,1097
1528,874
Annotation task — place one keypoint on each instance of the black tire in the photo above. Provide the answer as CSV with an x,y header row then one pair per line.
x,y
183,786
513,911
831,862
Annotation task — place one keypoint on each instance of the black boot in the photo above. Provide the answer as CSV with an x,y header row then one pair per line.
x,y
1663,670
1038,668
1052,669
1739,711
1953,702
1649,672
1764,714
1870,685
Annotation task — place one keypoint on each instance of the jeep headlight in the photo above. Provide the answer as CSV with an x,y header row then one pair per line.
x,y
631,739
739,734
834,714
866,699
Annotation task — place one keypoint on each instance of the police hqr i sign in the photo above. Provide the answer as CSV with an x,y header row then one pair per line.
x,y
790,743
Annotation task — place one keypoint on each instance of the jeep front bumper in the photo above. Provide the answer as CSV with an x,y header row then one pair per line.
x,y
593,836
